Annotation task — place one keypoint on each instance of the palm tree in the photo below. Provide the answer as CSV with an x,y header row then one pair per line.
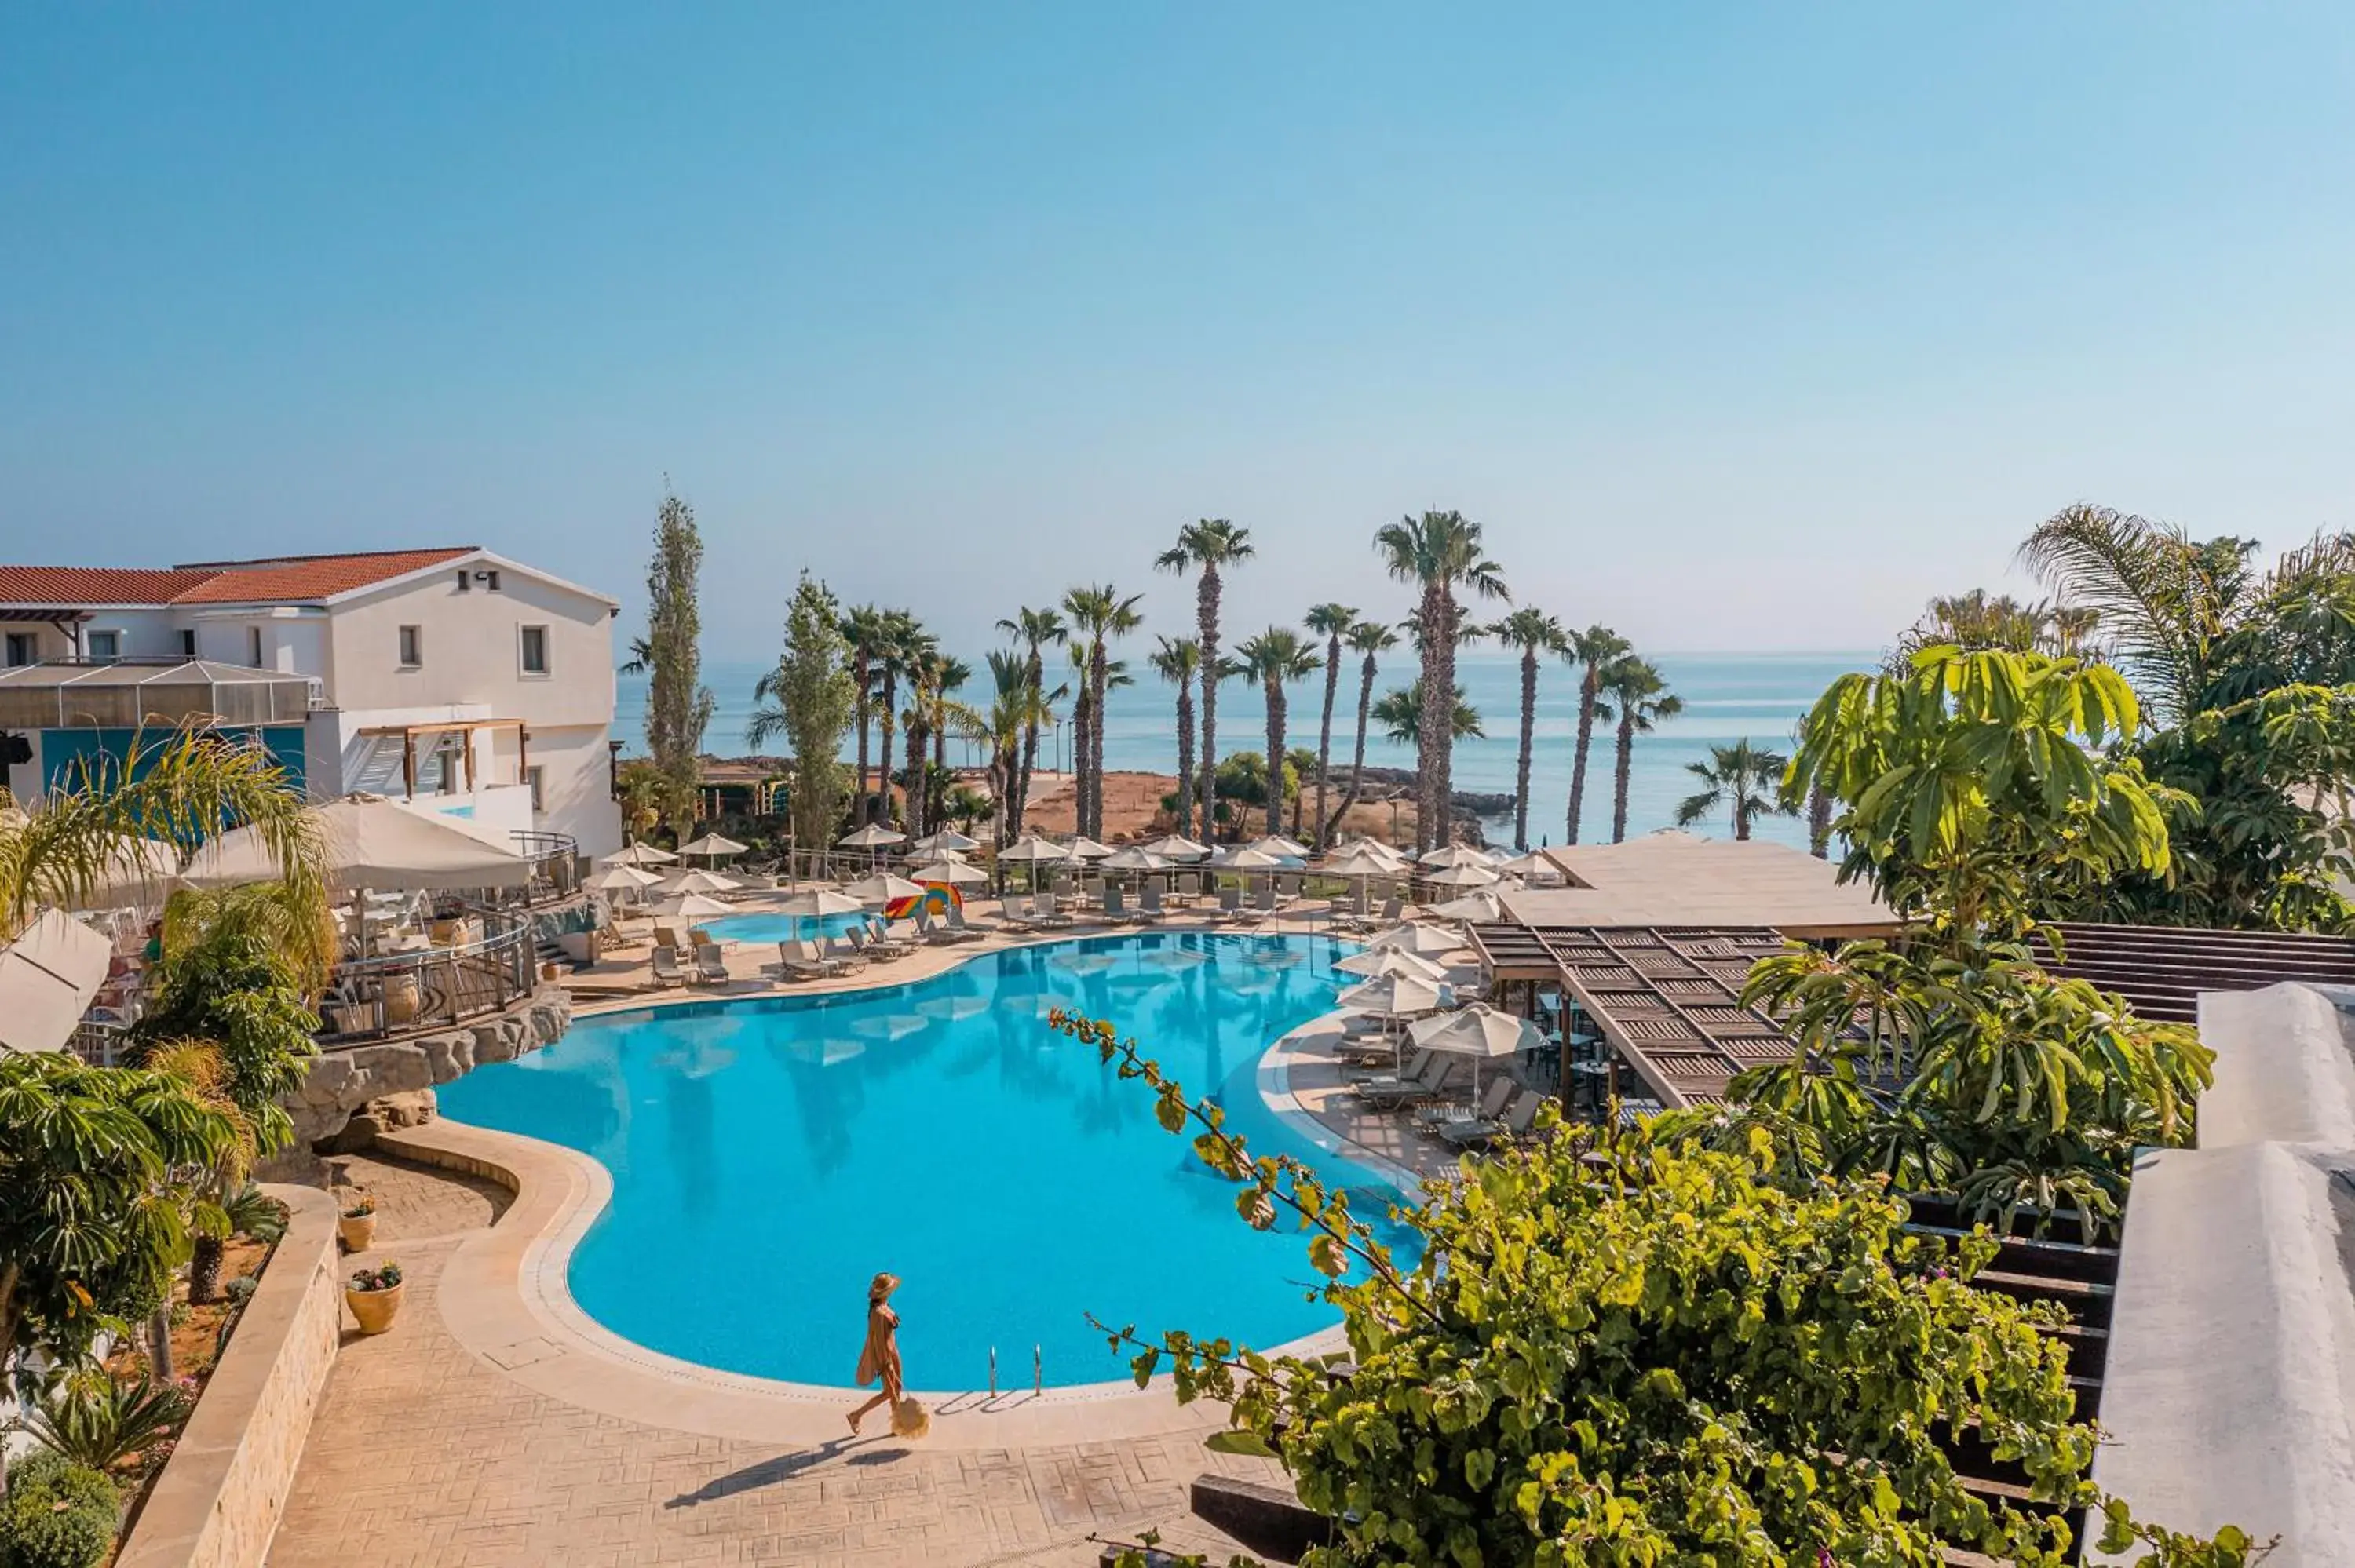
x,y
1439,552
1638,696
1178,660
864,629
949,678
1082,717
1208,546
1371,639
1747,779
1301,761
902,642
1099,614
1035,629
1017,708
1400,712
1533,631
1332,622
1276,658
1595,649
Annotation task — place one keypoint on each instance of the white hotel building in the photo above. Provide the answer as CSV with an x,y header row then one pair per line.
x,y
454,679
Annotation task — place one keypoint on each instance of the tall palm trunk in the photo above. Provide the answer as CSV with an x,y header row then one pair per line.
x,y
1037,671
859,675
1819,822
1206,628
1098,673
890,714
1274,756
1186,758
1528,741
1358,768
1444,731
916,736
1627,763
1589,690
1082,715
1325,730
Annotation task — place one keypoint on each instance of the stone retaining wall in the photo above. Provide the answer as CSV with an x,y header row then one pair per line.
x,y
342,1084
219,1500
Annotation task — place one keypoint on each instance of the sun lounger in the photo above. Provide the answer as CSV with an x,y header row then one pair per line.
x,y
1398,1094
1416,1065
802,950
667,971
1149,911
668,936
710,967
1515,1124
886,945
844,951
959,931
1231,904
1048,913
1115,908
930,931
1493,1101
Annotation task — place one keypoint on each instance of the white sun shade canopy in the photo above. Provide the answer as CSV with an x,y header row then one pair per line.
x,y
1281,847
954,872
1478,1030
1174,846
1377,963
367,841
693,906
47,977
640,854
874,891
623,879
946,839
1034,851
1414,937
698,882
819,901
1448,855
1133,859
712,846
874,835
1086,848
1481,875
1393,996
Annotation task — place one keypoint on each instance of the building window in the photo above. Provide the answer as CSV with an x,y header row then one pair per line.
x,y
465,581
23,648
535,650
411,654
537,778
188,642
253,646
102,644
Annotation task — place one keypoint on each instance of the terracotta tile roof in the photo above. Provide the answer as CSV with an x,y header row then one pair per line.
x,y
308,577
275,582
75,586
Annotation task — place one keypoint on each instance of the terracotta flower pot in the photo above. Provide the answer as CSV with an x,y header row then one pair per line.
x,y
376,1309
358,1231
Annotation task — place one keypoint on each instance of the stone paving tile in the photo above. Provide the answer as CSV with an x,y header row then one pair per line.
x,y
424,1453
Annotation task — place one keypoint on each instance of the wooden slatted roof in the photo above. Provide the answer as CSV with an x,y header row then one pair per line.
x,y
1667,998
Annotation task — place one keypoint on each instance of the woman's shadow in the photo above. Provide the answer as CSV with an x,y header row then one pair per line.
x,y
785,1467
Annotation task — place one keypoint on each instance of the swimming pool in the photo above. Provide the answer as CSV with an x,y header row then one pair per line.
x,y
768,1156
758,927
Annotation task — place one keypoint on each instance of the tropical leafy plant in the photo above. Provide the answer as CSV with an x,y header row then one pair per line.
x,y
1631,1351
1276,658
1742,779
1400,712
1443,554
1035,629
93,1420
1636,694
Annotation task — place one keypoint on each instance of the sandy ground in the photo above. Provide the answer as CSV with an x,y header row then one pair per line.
x,y
1132,809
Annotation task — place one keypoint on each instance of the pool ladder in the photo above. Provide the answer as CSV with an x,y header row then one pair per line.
x,y
1037,1371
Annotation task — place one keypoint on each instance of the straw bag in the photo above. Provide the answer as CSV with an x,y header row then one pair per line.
x,y
910,1419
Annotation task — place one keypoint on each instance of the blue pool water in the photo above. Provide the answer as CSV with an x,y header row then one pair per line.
x,y
778,928
768,1156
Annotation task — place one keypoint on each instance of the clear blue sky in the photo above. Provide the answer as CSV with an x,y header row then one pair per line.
x,y
1737,325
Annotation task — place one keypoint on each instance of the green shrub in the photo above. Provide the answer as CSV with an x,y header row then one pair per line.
x,y
99,1422
57,1514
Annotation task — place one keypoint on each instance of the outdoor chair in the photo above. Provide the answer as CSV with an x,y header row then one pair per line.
x,y
1492,1103
844,951
931,933
792,966
1149,911
807,952
1400,1094
885,944
668,936
1115,907
958,929
1515,1124
710,967
1416,1065
1393,910
1231,903
1264,905
1047,913
667,971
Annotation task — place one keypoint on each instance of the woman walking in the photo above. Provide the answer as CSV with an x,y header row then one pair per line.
x,y
880,1358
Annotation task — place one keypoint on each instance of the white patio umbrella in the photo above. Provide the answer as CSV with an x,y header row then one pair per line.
x,y
1392,996
622,879
1480,905
1034,850
1247,858
712,846
693,906
367,841
1174,846
1358,861
883,888
1082,847
1133,859
819,902
1414,937
138,872
951,873
1463,877
1478,1031
1281,847
1399,859
698,882
640,854
946,839
935,854
874,835
1534,863
1448,855
1375,963
47,977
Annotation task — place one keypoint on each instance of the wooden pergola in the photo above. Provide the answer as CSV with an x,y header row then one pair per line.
x,y
467,727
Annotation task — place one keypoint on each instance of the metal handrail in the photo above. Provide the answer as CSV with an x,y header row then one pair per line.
x,y
431,986
554,863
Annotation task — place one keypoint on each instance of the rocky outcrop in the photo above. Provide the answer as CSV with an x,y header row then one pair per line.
x,y
353,1094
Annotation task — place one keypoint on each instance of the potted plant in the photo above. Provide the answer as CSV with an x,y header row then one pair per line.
x,y
357,1224
374,1297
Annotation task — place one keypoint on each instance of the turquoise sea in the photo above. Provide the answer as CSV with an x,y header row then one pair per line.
x,y
1727,696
